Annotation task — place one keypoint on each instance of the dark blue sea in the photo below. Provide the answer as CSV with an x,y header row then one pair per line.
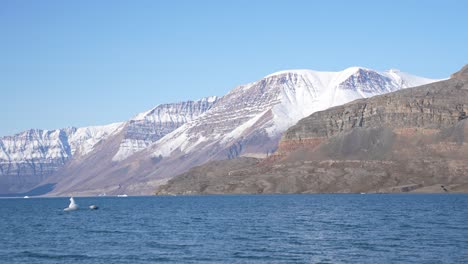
x,y
371,228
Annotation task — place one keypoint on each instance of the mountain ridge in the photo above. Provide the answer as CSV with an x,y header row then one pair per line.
x,y
42,157
35,154
413,140
247,121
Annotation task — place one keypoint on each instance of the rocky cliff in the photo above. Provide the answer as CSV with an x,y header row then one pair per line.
x,y
424,111
409,140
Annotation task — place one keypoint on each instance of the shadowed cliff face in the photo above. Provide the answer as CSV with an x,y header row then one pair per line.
x,y
410,140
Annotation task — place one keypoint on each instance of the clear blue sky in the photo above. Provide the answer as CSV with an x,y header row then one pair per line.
x,y
79,63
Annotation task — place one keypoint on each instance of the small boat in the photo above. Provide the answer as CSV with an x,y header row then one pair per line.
x,y
26,197
93,207
122,195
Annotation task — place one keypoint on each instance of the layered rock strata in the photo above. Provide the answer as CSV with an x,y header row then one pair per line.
x,y
414,140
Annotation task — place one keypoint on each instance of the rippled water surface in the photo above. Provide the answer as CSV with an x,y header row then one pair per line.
x,y
237,229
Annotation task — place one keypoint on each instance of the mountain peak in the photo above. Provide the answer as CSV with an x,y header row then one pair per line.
x,y
143,115
350,70
291,71
355,69
461,74
210,99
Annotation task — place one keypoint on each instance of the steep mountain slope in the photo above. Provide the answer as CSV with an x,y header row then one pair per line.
x,y
409,140
110,166
150,126
31,156
248,121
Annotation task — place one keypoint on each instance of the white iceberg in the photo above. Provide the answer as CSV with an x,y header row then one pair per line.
x,y
73,206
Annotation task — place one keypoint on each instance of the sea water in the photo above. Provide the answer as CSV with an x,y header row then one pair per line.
x,y
377,228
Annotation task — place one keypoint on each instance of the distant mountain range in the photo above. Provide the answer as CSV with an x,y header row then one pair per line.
x,y
138,155
29,157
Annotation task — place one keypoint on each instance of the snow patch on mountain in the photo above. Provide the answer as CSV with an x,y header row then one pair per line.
x,y
171,142
150,126
323,90
406,80
239,131
84,139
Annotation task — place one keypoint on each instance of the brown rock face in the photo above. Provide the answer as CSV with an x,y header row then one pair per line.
x,y
461,74
429,107
414,140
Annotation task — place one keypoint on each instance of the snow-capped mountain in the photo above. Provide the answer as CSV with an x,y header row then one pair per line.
x,y
250,119
148,127
171,138
29,157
